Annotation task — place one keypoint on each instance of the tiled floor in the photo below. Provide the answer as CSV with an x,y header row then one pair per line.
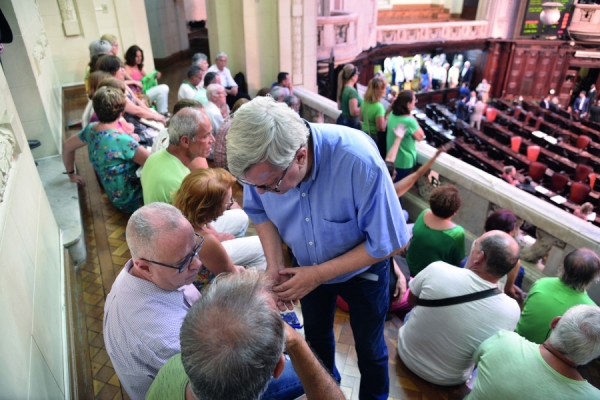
x,y
107,253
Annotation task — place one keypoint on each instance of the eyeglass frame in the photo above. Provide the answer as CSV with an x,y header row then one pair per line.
x,y
266,187
187,261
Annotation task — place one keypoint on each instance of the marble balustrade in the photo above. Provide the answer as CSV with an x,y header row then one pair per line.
x,y
559,232
432,31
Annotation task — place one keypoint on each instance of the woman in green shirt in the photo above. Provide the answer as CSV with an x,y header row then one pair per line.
x,y
347,97
373,113
402,149
435,236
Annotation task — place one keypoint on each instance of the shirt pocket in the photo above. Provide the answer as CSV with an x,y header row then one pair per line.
x,y
340,237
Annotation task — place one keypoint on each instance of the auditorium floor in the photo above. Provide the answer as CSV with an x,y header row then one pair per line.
x,y
107,252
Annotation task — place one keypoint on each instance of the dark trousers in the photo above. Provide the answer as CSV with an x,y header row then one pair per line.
x,y
368,302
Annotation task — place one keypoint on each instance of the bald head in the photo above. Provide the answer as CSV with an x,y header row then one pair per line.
x,y
580,268
149,224
500,252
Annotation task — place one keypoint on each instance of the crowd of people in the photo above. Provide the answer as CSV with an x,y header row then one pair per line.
x,y
195,312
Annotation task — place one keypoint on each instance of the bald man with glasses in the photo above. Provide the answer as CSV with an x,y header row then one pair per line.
x,y
151,295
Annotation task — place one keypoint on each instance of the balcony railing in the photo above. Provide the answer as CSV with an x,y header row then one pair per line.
x,y
432,31
558,231
337,33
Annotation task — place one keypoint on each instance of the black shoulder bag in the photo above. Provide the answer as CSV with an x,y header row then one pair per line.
x,y
450,301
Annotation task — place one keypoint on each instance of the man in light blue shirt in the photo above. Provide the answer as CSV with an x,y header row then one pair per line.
x,y
325,191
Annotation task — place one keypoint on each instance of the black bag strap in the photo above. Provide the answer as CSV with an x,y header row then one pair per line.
x,y
450,301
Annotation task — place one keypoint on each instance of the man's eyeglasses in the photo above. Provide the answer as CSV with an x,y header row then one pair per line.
x,y
230,203
268,188
187,261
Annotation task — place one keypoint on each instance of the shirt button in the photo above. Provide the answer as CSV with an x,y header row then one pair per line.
x,y
303,194
307,219
310,243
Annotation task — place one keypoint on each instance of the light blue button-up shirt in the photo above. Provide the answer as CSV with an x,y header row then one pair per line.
x,y
348,199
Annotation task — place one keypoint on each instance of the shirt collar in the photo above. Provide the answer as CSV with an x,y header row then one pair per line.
x,y
146,287
317,140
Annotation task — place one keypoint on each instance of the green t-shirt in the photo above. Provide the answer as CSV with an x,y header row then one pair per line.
x,y
162,176
201,96
548,298
429,245
371,111
407,153
347,94
510,367
170,383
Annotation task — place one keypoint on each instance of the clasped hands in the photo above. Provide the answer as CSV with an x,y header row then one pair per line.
x,y
292,284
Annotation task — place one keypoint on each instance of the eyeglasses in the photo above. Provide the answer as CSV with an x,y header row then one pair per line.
x,y
230,203
187,261
267,188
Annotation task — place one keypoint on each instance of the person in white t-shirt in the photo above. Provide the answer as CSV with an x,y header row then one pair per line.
x,y
437,343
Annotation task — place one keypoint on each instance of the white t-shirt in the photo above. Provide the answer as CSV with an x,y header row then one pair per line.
x,y
226,78
437,343
186,91
214,115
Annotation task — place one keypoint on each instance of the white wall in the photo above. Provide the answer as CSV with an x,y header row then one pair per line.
x,y
126,19
167,24
32,365
32,76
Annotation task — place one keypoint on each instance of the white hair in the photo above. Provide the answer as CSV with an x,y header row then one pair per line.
x,y
264,130
198,57
213,89
277,92
220,54
186,122
577,334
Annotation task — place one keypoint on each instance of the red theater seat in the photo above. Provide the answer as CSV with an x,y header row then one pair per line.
x,y
579,192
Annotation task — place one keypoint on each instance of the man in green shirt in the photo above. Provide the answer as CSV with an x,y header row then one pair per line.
x,y
551,297
510,367
232,345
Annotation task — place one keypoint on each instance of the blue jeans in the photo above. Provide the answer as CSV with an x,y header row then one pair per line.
x,y
368,302
286,387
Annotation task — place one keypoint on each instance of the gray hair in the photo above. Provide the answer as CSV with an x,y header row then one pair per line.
x,y
232,339
264,130
500,256
277,92
213,89
580,268
185,123
577,334
220,54
193,70
147,224
291,100
99,47
198,57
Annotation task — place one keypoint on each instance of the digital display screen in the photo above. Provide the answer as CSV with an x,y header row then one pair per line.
x,y
532,26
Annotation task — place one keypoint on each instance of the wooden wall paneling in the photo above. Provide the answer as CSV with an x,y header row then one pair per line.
x,y
529,71
515,72
543,72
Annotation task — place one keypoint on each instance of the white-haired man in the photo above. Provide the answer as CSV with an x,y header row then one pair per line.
x,y
325,192
221,360
511,367
201,61
217,100
190,137
230,85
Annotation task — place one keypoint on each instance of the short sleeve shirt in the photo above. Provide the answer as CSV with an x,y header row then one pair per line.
x,y
349,93
171,381
370,112
429,245
407,153
111,154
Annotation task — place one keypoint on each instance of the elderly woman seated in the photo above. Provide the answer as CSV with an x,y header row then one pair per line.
x,y
204,195
435,236
134,108
115,156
